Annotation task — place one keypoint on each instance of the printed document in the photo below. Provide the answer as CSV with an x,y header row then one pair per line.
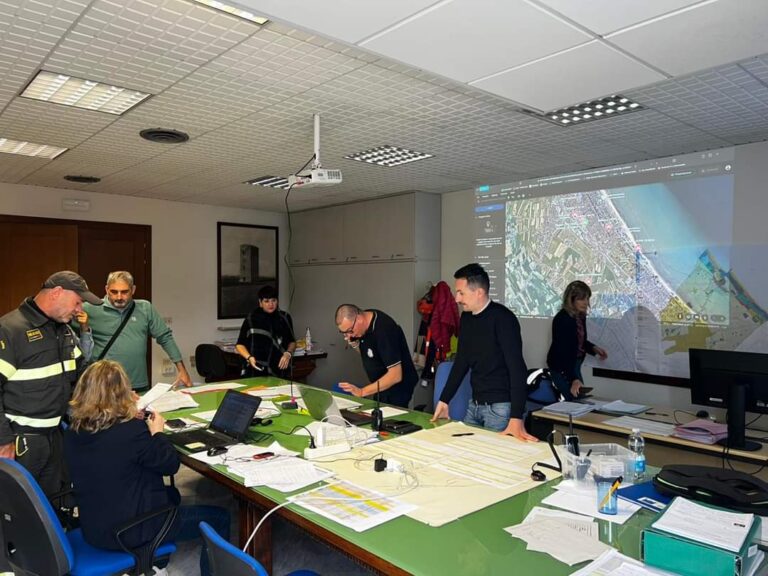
x,y
719,528
352,506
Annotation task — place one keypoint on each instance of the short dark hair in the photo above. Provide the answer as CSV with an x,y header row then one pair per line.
x,y
475,276
267,293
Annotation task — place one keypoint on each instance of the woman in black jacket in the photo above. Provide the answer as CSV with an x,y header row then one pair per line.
x,y
117,461
570,344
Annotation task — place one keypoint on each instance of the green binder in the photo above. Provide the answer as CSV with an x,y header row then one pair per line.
x,y
688,557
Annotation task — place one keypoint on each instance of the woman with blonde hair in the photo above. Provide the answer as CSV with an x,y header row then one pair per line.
x,y
570,344
117,461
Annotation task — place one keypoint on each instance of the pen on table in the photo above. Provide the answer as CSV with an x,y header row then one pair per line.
x,y
656,414
463,434
589,452
611,490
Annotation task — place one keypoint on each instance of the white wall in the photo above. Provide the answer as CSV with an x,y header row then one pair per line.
x,y
183,252
750,212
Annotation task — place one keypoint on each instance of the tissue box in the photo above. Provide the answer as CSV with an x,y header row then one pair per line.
x,y
608,460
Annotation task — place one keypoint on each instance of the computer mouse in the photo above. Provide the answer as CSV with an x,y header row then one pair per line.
x,y
702,414
538,476
216,450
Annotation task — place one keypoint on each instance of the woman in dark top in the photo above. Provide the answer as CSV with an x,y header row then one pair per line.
x,y
117,461
569,340
266,339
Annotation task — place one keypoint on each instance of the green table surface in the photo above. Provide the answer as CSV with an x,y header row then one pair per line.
x,y
475,544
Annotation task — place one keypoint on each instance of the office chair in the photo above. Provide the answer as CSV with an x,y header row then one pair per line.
x,y
35,543
457,407
227,560
211,363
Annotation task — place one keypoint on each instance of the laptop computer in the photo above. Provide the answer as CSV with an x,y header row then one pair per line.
x,y
229,425
321,405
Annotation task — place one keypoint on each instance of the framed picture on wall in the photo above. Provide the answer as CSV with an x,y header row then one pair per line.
x,y
247,261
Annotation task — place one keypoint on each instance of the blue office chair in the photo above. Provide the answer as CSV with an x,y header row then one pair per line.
x,y
541,390
35,542
457,408
227,560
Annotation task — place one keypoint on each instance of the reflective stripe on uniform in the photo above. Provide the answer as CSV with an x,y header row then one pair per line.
x,y
44,372
78,353
7,369
34,422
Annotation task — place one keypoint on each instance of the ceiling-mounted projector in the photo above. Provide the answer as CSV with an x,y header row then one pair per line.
x,y
316,175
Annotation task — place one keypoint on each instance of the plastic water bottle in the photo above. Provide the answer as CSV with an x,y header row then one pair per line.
x,y
308,340
636,445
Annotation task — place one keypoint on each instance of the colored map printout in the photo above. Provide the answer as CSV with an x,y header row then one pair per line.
x,y
659,258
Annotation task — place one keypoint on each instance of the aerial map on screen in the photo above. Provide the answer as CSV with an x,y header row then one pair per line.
x,y
654,241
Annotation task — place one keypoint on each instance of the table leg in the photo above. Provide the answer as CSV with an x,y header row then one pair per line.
x,y
261,545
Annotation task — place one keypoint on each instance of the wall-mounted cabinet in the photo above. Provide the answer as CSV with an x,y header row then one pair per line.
x,y
404,227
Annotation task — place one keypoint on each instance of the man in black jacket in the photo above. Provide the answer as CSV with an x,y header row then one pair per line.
x,y
39,363
491,346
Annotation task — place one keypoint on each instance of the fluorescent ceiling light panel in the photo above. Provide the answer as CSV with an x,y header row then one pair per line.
x,y
239,12
269,182
388,156
81,93
9,146
616,105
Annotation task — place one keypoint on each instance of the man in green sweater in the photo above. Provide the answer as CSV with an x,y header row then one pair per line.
x,y
100,323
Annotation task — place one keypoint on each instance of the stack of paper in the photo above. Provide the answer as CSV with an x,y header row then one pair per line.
x,y
161,398
570,538
702,430
643,424
583,500
713,526
621,407
574,409
614,563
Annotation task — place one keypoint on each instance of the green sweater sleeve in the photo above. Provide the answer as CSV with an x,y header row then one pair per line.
x,y
163,334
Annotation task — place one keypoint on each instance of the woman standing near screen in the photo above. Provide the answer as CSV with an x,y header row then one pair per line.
x,y
569,340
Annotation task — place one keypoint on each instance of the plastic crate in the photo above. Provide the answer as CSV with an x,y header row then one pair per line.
x,y
608,460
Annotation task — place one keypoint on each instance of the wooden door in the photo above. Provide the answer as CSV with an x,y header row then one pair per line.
x,y
29,253
105,247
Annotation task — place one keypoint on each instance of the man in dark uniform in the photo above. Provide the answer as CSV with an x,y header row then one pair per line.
x,y
39,363
384,351
266,339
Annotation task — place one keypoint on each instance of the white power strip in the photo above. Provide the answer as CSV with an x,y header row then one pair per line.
x,y
314,453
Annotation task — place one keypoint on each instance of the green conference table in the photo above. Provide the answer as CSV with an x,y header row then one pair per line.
x,y
475,544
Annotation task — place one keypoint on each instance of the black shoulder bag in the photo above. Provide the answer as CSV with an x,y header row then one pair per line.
x,y
127,316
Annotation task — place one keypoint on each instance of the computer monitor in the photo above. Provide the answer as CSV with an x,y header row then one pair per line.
x,y
737,381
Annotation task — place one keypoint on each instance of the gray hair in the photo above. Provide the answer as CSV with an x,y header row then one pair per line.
x,y
120,275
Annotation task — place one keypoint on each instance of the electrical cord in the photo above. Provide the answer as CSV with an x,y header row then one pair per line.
x,y
286,258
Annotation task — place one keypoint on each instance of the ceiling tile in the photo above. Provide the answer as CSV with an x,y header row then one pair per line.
x,y
570,77
711,34
348,20
605,16
467,39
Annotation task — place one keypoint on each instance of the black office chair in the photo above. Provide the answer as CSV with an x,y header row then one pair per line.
x,y
215,365
35,543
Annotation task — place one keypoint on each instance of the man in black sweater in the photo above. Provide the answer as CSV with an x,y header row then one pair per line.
x,y
491,346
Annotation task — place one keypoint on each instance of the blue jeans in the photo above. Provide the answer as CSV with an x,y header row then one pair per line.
x,y
492,416
562,382
187,522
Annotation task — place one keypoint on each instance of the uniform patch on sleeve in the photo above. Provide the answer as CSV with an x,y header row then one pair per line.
x,y
33,335
2,344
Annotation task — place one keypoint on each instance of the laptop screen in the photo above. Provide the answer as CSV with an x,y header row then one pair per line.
x,y
235,413
320,405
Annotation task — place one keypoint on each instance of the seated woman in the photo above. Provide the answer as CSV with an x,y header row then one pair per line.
x,y
117,461
569,340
